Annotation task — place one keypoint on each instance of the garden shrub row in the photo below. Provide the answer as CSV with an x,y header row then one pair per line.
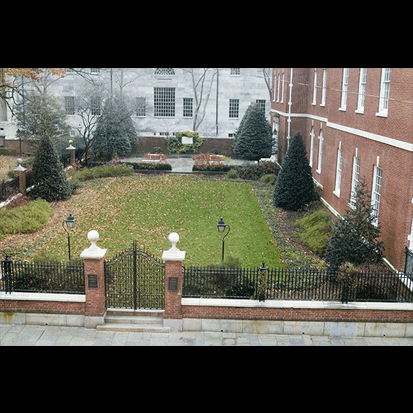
x,y
28,218
256,171
149,166
104,171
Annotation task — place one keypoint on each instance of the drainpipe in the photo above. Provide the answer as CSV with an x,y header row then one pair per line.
x,y
290,103
216,110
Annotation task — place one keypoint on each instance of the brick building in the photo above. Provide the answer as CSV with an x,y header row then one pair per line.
x,y
356,123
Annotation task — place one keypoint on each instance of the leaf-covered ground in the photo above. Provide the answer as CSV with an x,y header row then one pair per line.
x,y
149,208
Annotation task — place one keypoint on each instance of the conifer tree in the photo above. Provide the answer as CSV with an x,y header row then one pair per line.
x,y
49,178
295,187
115,133
355,237
254,137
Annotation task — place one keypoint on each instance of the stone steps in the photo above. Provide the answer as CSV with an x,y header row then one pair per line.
x,y
144,321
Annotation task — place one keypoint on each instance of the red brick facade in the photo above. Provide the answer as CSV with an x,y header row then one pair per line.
x,y
95,305
373,136
173,307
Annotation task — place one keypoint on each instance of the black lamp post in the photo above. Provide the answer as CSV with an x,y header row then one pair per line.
x,y
221,229
70,223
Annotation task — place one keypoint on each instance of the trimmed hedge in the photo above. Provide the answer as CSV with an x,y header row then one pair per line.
x,y
256,171
146,166
105,171
29,218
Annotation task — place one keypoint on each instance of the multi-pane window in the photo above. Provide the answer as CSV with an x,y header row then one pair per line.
x,y
376,194
282,88
311,146
261,103
188,105
362,90
384,91
235,71
320,151
164,101
234,108
324,89
94,70
338,172
274,89
95,104
344,89
70,105
278,89
141,106
355,180
315,87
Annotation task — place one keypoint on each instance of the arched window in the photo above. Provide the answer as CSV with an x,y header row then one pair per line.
x,y
164,71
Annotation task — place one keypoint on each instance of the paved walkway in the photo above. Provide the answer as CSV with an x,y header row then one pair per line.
x,y
33,335
182,164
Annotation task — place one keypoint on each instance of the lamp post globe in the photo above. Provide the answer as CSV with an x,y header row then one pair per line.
x,y
221,229
70,223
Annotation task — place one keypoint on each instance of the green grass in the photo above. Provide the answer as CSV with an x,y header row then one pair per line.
x,y
148,209
25,219
315,230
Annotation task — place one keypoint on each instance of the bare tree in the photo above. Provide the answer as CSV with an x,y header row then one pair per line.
x,y
88,106
267,74
202,91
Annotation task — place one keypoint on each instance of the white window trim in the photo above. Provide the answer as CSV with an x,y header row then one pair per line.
x,y
314,103
339,169
278,89
282,88
360,109
324,89
354,181
275,88
312,134
382,111
344,89
320,151
373,193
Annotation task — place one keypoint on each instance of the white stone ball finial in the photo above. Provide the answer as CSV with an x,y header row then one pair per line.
x,y
173,239
19,167
93,252
173,254
93,236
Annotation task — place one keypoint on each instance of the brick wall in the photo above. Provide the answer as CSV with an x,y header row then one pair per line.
x,y
37,306
296,314
396,208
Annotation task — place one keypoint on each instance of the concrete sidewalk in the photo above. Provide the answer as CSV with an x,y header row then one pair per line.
x,y
34,335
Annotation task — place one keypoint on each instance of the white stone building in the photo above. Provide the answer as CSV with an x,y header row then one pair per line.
x,y
163,101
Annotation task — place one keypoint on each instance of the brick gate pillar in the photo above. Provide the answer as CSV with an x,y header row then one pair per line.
x,y
94,259
173,284
20,173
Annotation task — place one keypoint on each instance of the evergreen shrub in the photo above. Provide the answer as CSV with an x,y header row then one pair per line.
x,y
295,187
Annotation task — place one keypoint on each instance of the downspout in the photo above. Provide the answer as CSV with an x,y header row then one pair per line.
x,y
290,103
216,110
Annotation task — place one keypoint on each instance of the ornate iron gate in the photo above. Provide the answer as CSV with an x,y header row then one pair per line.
x,y
135,279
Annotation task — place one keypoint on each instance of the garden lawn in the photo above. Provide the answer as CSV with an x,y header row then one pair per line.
x,y
148,209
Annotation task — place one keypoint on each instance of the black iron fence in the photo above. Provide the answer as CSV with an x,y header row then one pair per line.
x,y
8,188
276,284
65,278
